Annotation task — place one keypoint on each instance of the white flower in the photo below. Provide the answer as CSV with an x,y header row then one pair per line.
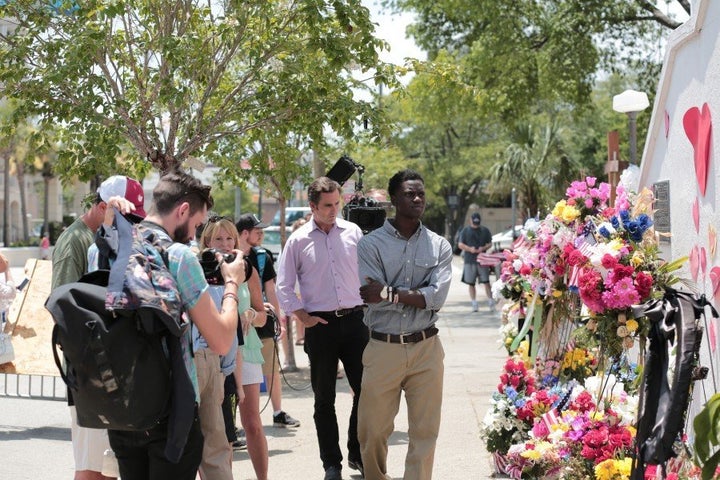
x,y
497,288
630,178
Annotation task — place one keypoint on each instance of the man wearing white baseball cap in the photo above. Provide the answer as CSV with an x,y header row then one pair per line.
x,y
128,189
70,262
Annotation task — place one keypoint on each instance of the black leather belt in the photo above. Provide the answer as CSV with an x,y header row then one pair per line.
x,y
340,312
407,338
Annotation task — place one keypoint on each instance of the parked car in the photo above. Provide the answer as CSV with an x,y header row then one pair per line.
x,y
291,214
271,241
503,240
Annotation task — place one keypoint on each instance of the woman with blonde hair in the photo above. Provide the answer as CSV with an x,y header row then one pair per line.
x,y
221,234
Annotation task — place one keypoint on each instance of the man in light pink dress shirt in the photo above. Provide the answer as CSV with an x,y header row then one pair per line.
x,y
321,259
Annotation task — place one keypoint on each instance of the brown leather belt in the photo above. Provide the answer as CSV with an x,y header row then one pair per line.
x,y
340,312
407,338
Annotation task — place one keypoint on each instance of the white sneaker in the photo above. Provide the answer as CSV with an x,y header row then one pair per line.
x,y
110,466
474,306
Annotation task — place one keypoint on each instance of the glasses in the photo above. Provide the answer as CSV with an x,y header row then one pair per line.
x,y
216,218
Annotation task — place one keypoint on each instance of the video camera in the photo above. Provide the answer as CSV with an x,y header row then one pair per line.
x,y
211,266
367,213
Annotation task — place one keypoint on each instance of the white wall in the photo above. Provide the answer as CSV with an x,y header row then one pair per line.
x,y
690,78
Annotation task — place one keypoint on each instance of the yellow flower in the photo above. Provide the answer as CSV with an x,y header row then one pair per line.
x,y
637,259
570,213
623,467
567,213
531,454
557,293
612,469
605,470
632,325
616,244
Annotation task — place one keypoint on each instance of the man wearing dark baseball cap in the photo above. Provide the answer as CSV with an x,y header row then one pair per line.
x,y
473,239
248,222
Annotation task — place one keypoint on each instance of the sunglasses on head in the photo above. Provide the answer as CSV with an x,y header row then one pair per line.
x,y
217,218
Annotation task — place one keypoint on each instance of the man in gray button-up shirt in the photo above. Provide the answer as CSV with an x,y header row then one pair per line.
x,y
405,270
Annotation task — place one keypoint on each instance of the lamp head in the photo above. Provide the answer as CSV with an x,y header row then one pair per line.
x,y
630,101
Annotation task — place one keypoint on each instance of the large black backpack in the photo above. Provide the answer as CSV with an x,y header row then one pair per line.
x,y
117,372
119,333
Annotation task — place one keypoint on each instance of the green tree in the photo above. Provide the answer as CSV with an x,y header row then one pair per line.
x,y
128,83
22,149
517,52
448,138
536,165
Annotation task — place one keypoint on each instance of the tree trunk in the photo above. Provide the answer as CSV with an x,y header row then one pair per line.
x,y
164,162
20,166
6,203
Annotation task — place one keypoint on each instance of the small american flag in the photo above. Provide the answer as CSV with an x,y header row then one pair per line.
x,y
549,419
490,259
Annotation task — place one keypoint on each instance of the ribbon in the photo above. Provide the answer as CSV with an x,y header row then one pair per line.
x,y
526,325
661,413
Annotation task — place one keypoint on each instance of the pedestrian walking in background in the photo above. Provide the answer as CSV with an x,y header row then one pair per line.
x,y
45,247
473,239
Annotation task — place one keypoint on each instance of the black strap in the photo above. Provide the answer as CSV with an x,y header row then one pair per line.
x,y
661,411
55,343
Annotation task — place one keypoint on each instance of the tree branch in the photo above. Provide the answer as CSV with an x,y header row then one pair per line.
x,y
656,15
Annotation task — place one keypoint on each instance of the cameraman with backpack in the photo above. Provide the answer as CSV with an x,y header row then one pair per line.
x,y
179,206
250,229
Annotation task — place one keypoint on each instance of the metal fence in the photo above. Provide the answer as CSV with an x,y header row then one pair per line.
x,y
32,387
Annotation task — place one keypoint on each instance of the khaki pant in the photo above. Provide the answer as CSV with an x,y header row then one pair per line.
x,y
217,454
388,369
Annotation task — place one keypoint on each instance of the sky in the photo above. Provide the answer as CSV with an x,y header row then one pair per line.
x,y
391,28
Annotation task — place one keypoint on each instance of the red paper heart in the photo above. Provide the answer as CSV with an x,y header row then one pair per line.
x,y
694,262
715,280
703,261
696,214
698,128
713,335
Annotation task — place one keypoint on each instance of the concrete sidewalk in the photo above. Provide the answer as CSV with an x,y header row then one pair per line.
x,y
35,434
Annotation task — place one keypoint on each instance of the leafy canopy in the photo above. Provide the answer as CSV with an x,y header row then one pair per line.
x,y
125,81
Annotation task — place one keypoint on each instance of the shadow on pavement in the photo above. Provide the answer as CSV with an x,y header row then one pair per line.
x,y
8,433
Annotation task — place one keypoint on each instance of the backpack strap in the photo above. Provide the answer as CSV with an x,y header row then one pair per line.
x,y
261,259
125,244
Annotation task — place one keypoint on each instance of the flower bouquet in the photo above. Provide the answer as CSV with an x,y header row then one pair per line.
x,y
501,426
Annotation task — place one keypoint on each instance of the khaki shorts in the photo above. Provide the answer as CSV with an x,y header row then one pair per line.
x,y
89,445
270,355
473,272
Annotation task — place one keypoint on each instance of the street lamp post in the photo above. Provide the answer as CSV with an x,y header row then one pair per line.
x,y
631,102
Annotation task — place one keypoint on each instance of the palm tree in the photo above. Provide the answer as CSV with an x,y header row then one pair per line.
x,y
535,164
